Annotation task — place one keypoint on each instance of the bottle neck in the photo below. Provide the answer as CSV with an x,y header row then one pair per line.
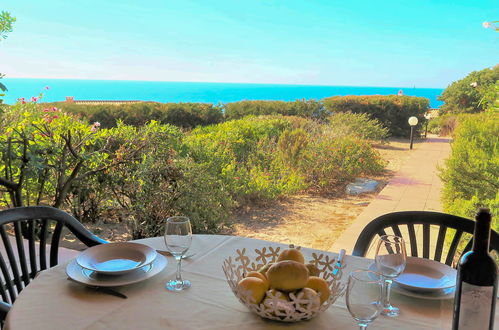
x,y
481,236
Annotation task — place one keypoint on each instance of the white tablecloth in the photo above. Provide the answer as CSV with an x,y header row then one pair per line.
x,y
53,302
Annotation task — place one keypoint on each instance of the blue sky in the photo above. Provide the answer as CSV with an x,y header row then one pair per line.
x,y
319,42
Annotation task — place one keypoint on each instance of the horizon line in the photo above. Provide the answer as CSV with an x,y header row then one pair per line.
x,y
223,82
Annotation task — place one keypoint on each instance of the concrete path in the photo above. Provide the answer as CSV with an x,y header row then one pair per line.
x,y
415,187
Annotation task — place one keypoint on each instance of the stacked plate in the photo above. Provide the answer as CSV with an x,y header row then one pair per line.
x,y
426,279
116,264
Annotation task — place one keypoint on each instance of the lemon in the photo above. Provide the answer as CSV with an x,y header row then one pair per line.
x,y
287,275
260,276
319,285
291,254
252,289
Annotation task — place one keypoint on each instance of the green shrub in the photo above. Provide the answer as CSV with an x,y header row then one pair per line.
x,y
160,182
356,125
391,111
465,95
331,162
301,108
45,153
471,173
243,154
187,115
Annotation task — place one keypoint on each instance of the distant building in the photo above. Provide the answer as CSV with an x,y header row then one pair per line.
x,y
70,99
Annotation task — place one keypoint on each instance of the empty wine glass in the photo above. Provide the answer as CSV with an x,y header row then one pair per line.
x,y
364,296
178,238
390,262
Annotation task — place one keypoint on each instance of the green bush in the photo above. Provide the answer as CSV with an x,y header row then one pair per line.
x,y
471,174
356,125
391,111
45,153
331,162
187,115
243,154
465,95
301,108
160,182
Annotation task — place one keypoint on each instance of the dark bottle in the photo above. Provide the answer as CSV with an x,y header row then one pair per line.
x,y
476,287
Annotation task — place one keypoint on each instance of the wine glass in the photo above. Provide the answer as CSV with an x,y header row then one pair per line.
x,y
364,296
390,262
178,238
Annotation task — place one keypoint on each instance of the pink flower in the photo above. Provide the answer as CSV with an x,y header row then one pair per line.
x,y
236,178
47,88
55,116
486,25
22,100
34,99
94,127
54,109
46,110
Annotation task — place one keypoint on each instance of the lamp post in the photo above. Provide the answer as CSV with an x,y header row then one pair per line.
x,y
413,121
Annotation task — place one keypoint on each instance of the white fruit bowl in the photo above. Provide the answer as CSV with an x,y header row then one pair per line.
x,y
297,308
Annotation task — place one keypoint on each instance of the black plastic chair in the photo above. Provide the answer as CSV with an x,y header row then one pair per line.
x,y
32,223
426,219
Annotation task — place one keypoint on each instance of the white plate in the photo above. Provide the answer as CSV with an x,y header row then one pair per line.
x,y
88,277
422,274
116,258
430,295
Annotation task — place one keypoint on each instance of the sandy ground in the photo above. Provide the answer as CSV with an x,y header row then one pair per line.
x,y
305,220
314,221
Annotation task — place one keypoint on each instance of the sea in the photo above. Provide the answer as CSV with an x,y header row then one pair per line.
x,y
166,91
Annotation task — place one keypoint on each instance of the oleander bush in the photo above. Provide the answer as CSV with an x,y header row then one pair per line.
x,y
466,95
301,108
186,115
391,111
471,174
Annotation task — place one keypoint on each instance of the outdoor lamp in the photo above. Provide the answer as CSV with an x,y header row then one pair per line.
x,y
413,121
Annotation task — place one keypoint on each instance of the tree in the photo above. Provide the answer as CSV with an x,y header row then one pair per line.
x,y
5,27
466,95
5,24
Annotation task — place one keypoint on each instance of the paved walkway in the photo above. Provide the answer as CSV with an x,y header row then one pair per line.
x,y
416,186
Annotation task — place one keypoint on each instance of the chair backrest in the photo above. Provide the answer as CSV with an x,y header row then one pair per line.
x,y
30,228
395,223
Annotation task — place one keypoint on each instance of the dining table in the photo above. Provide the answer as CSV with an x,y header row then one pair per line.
x,y
52,302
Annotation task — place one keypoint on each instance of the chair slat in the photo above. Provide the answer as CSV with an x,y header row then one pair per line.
x,y
4,280
31,246
440,243
412,239
54,245
12,261
426,241
453,247
396,231
20,252
3,291
7,281
43,244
